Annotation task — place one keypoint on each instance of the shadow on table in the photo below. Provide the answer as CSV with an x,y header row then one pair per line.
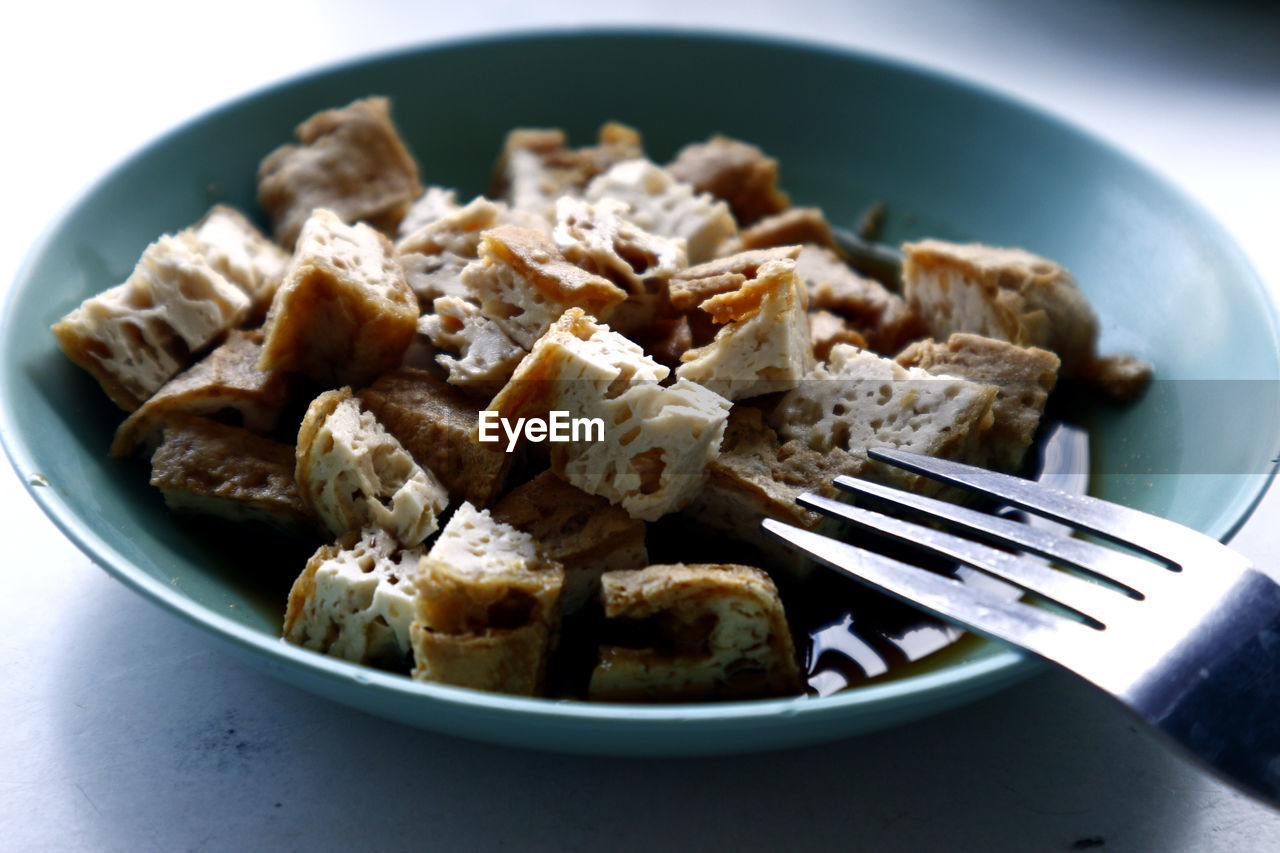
x,y
174,744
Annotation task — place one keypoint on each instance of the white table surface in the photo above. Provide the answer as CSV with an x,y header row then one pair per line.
x,y
123,729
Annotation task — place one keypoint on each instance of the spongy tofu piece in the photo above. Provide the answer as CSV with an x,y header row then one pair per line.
x,y
457,231
883,318
236,248
691,287
434,203
763,346
599,238
135,336
353,473
1007,294
827,329
485,355
488,607
1024,376
667,207
719,633
656,440
210,468
859,400
436,423
344,313
537,167
794,227
524,283
735,171
225,380
350,160
355,600
433,276
584,533
756,477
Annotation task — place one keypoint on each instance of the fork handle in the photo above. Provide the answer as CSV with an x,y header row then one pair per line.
x,y
1227,712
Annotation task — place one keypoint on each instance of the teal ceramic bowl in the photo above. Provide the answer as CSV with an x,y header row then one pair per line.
x,y
949,160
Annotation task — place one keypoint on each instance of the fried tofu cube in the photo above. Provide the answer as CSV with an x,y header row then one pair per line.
x,y
718,632
537,167
209,468
662,205
355,600
654,442
225,380
1023,377
485,355
524,283
488,607
735,171
599,238
236,248
352,473
457,231
691,287
344,313
582,532
350,160
827,329
1007,294
858,400
799,226
437,424
763,345
883,318
135,336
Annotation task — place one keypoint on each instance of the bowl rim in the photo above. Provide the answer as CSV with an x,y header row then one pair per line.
x,y
1006,665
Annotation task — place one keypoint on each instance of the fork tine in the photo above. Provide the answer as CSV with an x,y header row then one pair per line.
x,y
1047,634
1096,603
1134,574
1156,536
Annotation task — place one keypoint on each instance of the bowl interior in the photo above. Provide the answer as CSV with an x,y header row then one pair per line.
x,y
949,160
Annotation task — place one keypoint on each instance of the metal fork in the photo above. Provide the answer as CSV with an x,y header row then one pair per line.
x,y
1179,628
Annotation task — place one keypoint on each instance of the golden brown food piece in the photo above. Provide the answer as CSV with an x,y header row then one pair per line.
x,y
224,381
756,476
858,400
210,468
478,354
537,167
735,171
584,533
436,423
488,607
524,283
344,313
651,443
794,227
352,473
827,329
355,600
763,345
883,318
1007,294
236,248
1122,377
457,232
351,160
691,287
135,336
719,633
1024,376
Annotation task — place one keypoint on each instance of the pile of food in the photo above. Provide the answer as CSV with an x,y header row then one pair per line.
x,y
480,412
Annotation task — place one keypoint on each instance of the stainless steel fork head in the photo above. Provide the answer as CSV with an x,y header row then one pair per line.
x,y
1186,635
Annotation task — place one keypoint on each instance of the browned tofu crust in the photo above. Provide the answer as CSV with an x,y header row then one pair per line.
x,y
206,467
437,424
720,633
741,174
350,160
583,532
